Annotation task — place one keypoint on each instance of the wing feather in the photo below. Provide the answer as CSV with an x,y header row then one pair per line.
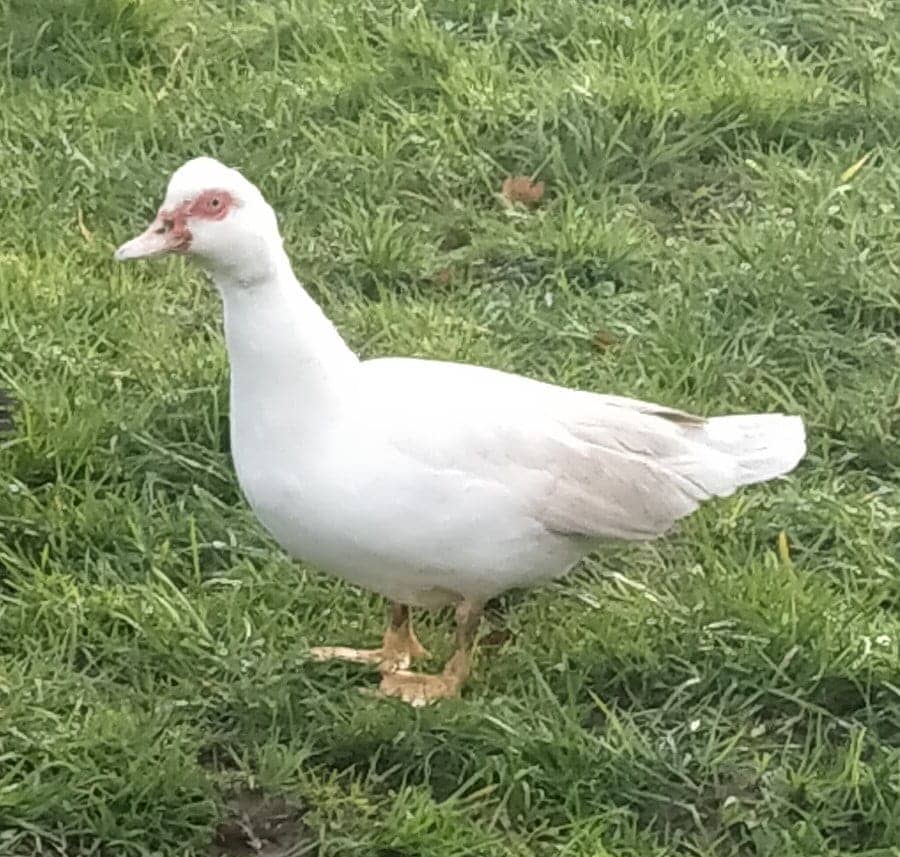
x,y
581,464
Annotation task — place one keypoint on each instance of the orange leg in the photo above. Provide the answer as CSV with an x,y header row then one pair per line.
x,y
399,648
419,689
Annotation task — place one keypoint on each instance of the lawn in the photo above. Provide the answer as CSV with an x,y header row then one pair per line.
x,y
708,238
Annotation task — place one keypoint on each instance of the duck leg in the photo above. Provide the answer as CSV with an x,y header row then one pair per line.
x,y
419,689
399,648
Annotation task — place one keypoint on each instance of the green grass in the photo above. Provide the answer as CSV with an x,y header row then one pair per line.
x,y
701,695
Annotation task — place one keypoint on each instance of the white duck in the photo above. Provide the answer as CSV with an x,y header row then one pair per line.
x,y
431,483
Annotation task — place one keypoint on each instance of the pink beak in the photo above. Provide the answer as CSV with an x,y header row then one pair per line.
x,y
166,234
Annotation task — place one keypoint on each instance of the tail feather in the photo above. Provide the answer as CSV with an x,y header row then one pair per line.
x,y
764,446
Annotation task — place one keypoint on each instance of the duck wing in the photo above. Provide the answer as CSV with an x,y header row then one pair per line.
x,y
582,464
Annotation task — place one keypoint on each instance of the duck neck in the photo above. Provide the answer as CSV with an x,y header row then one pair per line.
x,y
281,345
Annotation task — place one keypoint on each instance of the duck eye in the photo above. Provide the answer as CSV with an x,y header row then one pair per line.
x,y
214,202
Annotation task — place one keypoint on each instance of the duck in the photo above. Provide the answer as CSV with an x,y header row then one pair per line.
x,y
434,484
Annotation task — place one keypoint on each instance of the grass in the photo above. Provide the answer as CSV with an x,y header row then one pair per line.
x,y
697,245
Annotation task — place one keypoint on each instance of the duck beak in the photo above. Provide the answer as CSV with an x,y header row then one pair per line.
x,y
167,234
154,241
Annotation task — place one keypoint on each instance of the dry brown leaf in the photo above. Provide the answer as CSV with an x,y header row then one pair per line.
x,y
784,549
853,169
605,339
85,232
443,277
522,189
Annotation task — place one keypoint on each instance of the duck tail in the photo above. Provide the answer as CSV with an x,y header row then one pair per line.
x,y
764,446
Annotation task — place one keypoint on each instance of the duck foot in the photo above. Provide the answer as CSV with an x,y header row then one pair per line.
x,y
388,659
419,689
416,689
399,648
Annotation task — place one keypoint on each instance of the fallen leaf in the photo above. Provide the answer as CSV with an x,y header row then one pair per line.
x,y
853,169
523,190
784,551
443,277
85,232
605,339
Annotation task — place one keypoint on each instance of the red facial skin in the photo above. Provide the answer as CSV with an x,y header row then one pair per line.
x,y
209,205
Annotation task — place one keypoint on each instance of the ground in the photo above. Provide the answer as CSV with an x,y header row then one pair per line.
x,y
708,237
